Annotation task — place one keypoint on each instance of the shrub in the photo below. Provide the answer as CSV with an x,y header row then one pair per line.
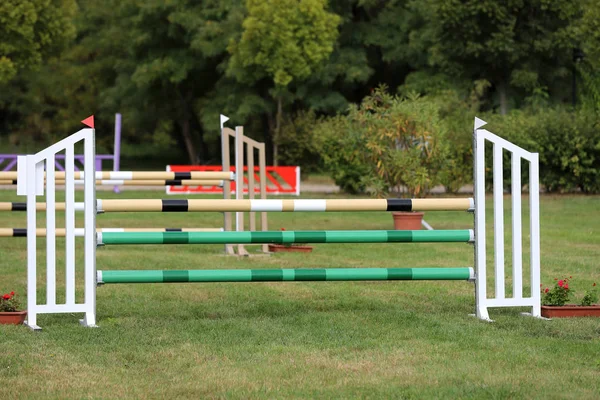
x,y
339,153
386,143
568,143
590,297
296,142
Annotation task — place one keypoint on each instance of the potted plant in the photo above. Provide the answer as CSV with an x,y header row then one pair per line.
x,y
9,306
401,142
554,301
277,248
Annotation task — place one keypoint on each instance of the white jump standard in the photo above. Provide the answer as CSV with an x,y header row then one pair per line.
x,y
36,174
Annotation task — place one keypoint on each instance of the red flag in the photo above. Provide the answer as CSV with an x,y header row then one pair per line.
x,y
89,121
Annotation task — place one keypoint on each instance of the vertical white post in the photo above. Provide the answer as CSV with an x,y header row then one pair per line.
x,y
517,240
239,181
239,175
498,222
31,243
534,231
90,230
70,224
262,171
226,162
50,232
480,256
250,162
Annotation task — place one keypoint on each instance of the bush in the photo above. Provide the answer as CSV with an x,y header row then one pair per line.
x,y
339,153
568,143
386,143
296,142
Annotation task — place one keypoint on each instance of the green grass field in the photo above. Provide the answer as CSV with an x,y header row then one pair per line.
x,y
307,340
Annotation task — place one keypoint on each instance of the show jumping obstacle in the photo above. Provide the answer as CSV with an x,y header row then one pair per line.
x,y
287,275
31,171
60,232
244,147
164,182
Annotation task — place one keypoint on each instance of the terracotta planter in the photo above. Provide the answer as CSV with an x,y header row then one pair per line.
x,y
407,221
276,248
571,310
13,318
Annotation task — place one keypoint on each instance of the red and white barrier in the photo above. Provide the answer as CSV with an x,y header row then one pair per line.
x,y
280,180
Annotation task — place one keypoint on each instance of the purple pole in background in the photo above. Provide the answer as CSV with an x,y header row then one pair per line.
x,y
117,154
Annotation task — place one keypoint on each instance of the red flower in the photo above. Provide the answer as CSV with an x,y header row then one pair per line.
x,y
546,291
570,277
560,283
12,293
6,297
566,286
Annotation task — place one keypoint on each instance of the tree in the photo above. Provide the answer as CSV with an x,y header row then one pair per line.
x,y
282,41
31,30
515,44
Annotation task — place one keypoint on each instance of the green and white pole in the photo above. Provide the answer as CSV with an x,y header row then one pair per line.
x,y
286,237
279,275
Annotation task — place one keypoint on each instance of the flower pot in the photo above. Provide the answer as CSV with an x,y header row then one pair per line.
x,y
571,310
407,221
13,318
276,248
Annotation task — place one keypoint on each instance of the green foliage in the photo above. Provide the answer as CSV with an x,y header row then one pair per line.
x,y
402,138
284,39
340,154
296,144
568,142
515,44
31,30
559,295
590,297
398,140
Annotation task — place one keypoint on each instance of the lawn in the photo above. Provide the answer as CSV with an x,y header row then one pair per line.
x,y
307,339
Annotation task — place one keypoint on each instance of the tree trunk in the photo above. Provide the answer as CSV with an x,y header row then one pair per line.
x,y
189,141
277,130
203,153
269,125
502,92
186,129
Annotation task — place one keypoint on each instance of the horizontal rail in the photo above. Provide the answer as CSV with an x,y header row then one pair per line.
x,y
138,175
452,204
143,205
149,182
60,232
275,275
15,206
286,237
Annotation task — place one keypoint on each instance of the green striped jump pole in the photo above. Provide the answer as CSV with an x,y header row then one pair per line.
x,y
277,275
285,237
